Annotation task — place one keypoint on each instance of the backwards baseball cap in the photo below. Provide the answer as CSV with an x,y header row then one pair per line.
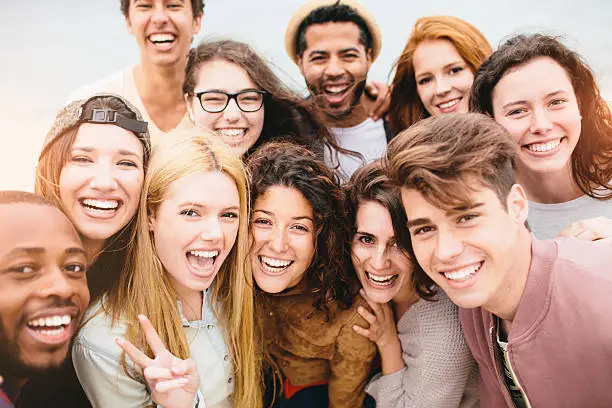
x,y
85,111
300,15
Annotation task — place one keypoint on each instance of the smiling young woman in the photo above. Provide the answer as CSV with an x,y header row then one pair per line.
x,y
425,359
186,272
299,257
435,71
231,91
547,98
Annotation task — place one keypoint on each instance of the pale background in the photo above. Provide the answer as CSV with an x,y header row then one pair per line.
x,y
51,47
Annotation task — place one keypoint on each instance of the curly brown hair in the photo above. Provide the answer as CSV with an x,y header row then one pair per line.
x,y
289,165
592,157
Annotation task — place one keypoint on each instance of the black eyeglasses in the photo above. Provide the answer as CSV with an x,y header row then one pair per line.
x,y
248,100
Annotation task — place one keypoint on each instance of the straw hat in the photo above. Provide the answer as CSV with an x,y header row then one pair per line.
x,y
299,16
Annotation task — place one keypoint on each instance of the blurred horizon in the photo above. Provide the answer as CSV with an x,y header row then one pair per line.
x,y
55,47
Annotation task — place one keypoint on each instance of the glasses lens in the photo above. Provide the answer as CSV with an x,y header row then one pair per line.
x,y
250,101
213,101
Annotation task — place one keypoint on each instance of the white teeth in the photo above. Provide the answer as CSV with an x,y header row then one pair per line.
x,y
231,132
463,273
386,280
204,254
52,321
161,37
449,104
101,204
336,89
544,147
53,332
275,263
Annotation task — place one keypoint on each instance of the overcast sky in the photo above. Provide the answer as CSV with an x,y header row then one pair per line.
x,y
52,47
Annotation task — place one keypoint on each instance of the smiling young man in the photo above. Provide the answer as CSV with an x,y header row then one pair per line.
x,y
163,30
43,289
334,43
536,314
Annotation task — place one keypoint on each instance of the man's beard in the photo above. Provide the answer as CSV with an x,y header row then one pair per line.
x,y
11,365
318,94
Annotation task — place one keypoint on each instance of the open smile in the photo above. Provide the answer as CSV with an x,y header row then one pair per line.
x,y
202,263
162,41
274,266
544,148
100,208
380,281
463,276
232,136
53,328
449,106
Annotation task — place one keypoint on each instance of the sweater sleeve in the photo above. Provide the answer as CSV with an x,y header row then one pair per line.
x,y
104,380
440,370
350,365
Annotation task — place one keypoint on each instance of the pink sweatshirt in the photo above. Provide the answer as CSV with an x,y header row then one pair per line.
x,y
560,342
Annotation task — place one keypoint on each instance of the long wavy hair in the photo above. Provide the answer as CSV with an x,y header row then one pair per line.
x,y
592,158
370,183
406,105
286,116
146,283
289,165
103,274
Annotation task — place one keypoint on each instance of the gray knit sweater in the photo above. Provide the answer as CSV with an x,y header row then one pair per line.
x,y
440,371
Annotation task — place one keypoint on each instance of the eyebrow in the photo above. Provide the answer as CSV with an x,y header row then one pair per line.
x,y
298,218
450,64
122,152
522,102
423,221
19,251
192,204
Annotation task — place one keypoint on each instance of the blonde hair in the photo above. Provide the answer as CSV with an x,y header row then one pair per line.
x,y
146,283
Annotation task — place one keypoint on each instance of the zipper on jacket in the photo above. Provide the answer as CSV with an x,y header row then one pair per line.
x,y
518,384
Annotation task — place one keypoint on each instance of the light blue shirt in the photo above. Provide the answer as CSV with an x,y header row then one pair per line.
x,y
97,361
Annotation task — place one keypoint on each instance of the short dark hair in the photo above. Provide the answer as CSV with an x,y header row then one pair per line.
x,y
290,165
592,157
197,6
22,197
370,183
335,13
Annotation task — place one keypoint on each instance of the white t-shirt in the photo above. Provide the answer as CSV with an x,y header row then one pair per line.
x,y
122,83
367,138
548,220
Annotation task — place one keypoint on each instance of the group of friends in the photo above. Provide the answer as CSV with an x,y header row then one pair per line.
x,y
203,236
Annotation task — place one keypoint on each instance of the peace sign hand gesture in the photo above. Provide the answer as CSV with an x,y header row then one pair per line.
x,y
173,382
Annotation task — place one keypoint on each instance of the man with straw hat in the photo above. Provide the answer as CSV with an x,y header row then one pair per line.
x,y
334,43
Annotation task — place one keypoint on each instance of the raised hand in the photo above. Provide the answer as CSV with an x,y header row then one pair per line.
x,y
173,382
378,91
382,330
